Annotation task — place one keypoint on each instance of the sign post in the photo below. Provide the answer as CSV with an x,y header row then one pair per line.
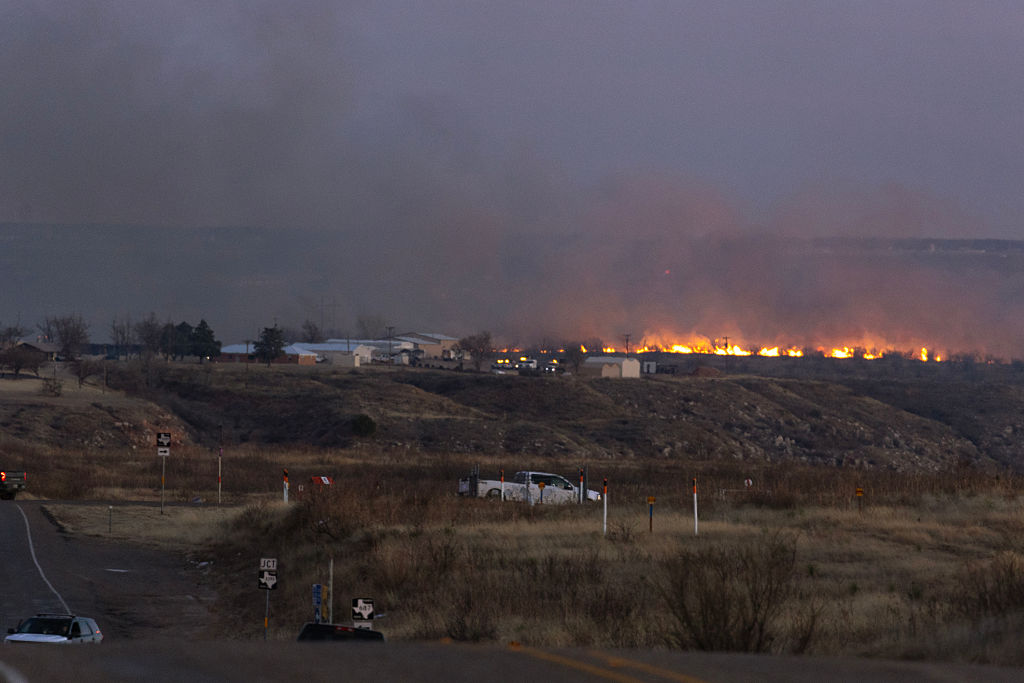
x,y
286,485
163,450
695,506
267,582
604,497
860,499
650,513
362,613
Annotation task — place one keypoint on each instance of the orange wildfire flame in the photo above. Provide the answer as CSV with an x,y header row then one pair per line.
x,y
714,347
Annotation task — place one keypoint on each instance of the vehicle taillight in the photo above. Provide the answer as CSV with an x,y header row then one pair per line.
x,y
3,476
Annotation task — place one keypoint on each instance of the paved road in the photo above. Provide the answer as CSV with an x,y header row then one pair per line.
x,y
249,662
133,593
146,602
23,590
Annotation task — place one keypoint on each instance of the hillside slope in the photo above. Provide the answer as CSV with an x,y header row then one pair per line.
x,y
906,424
902,425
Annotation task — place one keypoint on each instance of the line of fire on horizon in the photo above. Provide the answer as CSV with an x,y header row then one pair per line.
x,y
716,348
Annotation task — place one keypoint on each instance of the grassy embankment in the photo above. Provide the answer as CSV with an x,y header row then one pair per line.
x,y
924,566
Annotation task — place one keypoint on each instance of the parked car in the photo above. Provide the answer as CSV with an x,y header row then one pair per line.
x,y
61,629
320,632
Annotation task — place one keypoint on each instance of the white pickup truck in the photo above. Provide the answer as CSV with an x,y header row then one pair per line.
x,y
527,486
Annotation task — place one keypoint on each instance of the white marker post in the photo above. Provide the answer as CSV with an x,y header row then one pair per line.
x,y
695,506
502,483
285,478
604,497
330,591
220,458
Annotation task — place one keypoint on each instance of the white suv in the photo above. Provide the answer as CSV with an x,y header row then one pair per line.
x,y
55,628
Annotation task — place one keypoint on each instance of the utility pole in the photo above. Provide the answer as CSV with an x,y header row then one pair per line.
x,y
627,336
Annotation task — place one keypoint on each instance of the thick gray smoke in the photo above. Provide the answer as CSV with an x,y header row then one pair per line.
x,y
543,173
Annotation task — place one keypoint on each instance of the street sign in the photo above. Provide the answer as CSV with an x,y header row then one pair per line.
x,y
318,593
268,564
362,609
268,580
163,451
163,439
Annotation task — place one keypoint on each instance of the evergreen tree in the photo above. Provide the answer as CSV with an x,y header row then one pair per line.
x,y
182,345
270,344
204,344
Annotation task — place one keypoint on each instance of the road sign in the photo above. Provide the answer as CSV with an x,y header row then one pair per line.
x,y
268,564
163,439
318,592
362,609
268,580
163,451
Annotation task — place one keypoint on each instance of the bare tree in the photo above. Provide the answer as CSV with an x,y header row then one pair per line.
x,y
311,332
19,358
122,333
71,332
147,332
574,356
370,326
48,330
478,346
85,368
11,334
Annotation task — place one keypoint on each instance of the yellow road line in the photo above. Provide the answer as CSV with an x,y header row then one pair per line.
x,y
574,664
646,668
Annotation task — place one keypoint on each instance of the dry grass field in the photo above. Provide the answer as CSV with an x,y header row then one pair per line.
x,y
927,564
918,570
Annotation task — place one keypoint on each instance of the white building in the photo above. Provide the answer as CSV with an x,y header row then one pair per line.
x,y
343,354
618,367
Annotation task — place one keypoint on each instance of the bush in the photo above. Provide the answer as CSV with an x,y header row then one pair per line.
x,y
733,598
52,386
363,425
994,588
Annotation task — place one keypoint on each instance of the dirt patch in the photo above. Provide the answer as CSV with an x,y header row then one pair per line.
x,y
177,528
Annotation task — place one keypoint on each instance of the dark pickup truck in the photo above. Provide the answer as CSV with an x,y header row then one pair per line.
x,y
11,483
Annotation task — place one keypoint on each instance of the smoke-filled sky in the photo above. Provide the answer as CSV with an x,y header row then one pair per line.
x,y
545,169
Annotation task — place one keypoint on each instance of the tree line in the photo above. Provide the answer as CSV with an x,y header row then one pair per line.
x,y
146,338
